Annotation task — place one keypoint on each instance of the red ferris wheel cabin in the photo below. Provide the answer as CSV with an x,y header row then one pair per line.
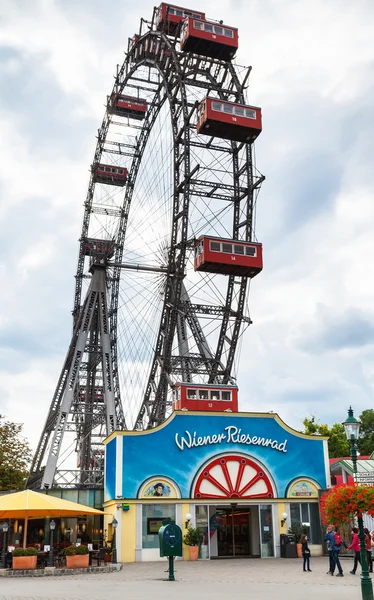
x,y
97,247
227,120
109,174
168,17
127,106
228,257
209,39
196,396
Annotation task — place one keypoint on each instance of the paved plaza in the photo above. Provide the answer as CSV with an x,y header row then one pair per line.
x,y
276,579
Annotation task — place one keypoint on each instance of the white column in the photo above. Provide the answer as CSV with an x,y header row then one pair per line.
x,y
139,533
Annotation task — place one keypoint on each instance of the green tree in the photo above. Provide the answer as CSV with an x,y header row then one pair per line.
x,y
366,436
338,443
15,455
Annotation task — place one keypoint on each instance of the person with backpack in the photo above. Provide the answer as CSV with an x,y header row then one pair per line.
x,y
336,543
355,545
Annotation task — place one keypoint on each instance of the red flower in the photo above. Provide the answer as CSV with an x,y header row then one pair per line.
x,y
343,502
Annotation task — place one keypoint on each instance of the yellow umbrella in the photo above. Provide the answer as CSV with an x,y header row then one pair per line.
x,y
28,504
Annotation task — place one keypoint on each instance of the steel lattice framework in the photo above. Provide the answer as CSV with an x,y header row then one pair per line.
x,y
147,320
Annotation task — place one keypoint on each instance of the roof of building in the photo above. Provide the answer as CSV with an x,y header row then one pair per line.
x,y
364,465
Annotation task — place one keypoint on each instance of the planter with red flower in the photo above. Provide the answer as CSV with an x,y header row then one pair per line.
x,y
344,502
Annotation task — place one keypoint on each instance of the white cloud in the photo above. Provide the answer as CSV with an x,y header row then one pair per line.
x,y
313,76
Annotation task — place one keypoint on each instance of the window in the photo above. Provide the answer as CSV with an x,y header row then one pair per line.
x,y
227,108
199,249
250,251
229,33
227,248
307,513
238,249
191,394
208,27
214,395
171,11
226,396
153,515
215,246
216,106
179,13
250,114
196,16
239,110
203,394
198,25
218,30
200,111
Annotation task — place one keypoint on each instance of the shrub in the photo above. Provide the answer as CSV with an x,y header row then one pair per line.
x,y
70,550
25,552
193,537
73,550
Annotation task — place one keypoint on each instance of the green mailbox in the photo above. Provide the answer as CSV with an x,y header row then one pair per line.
x,y
170,539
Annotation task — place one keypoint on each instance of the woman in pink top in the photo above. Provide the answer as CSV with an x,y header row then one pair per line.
x,y
368,549
356,548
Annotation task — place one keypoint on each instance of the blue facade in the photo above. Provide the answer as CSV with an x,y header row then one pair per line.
x,y
179,449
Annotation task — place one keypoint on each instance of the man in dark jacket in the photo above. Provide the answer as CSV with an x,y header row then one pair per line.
x,y
334,550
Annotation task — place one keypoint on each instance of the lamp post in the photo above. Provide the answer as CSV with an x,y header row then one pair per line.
x,y
352,428
52,526
114,549
4,527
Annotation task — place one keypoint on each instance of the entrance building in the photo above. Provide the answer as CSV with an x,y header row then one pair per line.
x,y
233,475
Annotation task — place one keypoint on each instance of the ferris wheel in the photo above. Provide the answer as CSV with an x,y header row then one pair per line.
x,y
167,248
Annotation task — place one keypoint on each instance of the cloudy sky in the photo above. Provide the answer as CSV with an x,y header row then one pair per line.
x,y
311,347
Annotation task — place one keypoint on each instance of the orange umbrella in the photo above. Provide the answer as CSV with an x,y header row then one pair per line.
x,y
28,504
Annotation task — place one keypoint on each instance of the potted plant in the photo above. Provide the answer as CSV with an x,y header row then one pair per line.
x,y
24,558
193,539
108,555
298,530
77,557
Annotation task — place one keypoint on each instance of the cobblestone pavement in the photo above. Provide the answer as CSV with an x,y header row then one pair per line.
x,y
276,579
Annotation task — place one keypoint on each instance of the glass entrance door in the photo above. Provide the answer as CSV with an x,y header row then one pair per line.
x,y
233,532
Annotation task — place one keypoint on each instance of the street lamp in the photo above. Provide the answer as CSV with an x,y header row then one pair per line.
x,y
52,526
352,428
114,549
4,527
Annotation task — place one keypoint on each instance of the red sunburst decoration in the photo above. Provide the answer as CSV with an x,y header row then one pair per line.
x,y
233,477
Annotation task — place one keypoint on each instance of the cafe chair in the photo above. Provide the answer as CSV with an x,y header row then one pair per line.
x,y
60,559
99,556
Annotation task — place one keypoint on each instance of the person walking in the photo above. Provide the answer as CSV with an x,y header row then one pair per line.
x,y
306,553
368,549
327,539
336,543
355,545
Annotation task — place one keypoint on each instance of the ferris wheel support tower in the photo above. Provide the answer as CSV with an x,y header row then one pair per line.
x,y
173,171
